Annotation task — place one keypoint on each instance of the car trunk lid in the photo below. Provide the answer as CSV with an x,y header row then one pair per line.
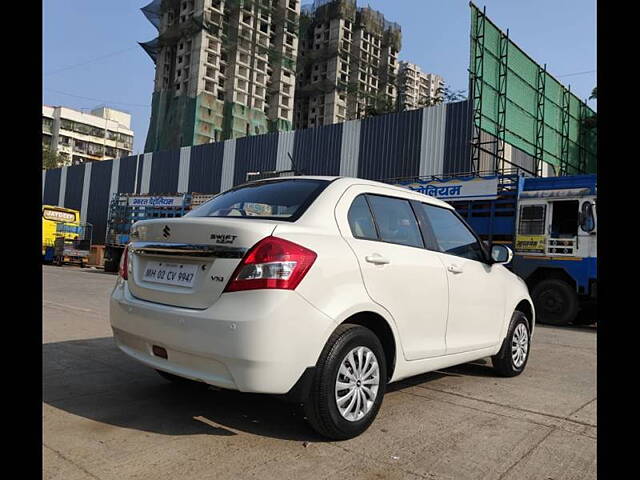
x,y
187,262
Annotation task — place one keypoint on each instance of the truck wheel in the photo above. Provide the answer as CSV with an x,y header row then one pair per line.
x,y
588,315
109,265
112,260
514,353
348,384
556,302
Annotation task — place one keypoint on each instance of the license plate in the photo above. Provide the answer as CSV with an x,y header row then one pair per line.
x,y
170,273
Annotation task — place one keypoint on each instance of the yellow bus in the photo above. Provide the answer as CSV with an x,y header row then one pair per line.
x,y
58,222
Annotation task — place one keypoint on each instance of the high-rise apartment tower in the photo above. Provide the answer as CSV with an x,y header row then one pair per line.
x,y
224,69
416,88
347,62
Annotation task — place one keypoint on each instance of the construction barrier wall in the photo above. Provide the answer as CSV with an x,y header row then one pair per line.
x,y
418,143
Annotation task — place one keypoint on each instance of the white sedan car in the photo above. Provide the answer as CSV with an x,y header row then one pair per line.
x,y
325,289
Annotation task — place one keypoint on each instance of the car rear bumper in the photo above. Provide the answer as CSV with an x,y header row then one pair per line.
x,y
256,341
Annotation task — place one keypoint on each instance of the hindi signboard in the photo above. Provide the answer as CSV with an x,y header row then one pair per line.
x,y
530,243
474,188
156,201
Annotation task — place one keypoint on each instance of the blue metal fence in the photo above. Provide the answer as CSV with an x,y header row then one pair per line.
x,y
433,140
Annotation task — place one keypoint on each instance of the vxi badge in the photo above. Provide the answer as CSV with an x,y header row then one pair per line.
x,y
223,238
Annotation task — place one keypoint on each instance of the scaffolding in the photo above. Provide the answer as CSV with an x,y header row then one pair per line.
x,y
502,101
539,143
564,139
477,73
534,113
204,114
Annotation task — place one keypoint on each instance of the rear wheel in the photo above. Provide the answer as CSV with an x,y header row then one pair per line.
x,y
348,385
588,315
556,302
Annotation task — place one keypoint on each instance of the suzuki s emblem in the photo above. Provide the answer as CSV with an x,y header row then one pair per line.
x,y
166,231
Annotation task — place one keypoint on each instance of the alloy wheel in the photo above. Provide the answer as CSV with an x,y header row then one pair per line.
x,y
357,383
519,345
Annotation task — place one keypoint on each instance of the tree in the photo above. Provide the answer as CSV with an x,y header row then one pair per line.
x,y
51,159
453,95
375,103
594,93
444,94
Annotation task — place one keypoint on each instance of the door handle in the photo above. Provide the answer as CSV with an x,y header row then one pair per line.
x,y
377,259
455,268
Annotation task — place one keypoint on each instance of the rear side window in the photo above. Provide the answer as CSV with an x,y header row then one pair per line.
x,y
395,220
361,221
452,236
275,200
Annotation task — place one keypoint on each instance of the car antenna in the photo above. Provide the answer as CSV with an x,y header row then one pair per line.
x,y
293,164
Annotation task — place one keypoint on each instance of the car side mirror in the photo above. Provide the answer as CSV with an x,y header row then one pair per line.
x,y
501,254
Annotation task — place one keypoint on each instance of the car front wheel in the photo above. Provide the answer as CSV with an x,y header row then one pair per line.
x,y
514,354
348,385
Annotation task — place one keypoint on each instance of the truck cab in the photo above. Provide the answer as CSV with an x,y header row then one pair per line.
x,y
556,244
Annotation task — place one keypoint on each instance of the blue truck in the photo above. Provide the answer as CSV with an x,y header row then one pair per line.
x,y
549,222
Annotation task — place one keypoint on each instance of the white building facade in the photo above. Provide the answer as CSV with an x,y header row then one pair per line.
x,y
86,137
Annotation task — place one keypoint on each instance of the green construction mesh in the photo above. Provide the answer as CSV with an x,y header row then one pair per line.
x,y
521,95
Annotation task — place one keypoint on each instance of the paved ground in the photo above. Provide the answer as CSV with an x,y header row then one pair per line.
x,y
107,417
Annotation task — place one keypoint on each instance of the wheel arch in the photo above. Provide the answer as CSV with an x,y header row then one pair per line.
x,y
383,330
526,307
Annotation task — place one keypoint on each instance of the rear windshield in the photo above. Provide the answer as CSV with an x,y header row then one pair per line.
x,y
276,200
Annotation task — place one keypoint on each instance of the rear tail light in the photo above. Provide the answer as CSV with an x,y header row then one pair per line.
x,y
124,264
272,263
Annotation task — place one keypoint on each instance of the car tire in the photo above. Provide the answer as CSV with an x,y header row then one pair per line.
x,y
181,381
588,315
556,302
109,266
112,259
348,356
508,362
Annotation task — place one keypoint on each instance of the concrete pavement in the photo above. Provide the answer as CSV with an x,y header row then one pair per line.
x,y
108,417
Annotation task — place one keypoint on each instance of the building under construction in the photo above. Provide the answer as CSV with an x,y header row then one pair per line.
x,y
347,63
224,69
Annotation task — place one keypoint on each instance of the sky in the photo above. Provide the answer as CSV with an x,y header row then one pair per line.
x,y
91,56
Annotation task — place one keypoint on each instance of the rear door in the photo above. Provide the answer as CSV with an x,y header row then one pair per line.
x,y
398,272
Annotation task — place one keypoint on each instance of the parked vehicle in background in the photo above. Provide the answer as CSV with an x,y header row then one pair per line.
x,y
64,238
556,244
127,208
550,222
323,289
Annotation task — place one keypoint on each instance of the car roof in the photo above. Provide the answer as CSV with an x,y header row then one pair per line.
x,y
348,181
